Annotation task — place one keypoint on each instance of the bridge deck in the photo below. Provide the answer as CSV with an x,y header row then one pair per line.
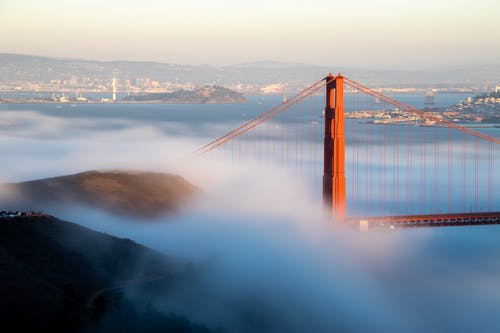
x,y
435,220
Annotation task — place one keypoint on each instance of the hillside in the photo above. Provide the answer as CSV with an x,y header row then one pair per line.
x,y
139,194
54,276
202,95
18,67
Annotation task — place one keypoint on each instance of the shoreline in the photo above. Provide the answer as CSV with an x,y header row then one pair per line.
x,y
30,101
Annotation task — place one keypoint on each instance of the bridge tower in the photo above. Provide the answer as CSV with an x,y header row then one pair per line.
x,y
334,150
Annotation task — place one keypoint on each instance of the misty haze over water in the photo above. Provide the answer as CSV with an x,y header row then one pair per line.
x,y
269,261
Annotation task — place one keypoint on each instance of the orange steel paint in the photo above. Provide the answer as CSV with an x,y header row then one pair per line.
x,y
334,150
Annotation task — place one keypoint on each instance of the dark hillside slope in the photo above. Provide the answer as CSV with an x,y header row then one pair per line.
x,y
50,269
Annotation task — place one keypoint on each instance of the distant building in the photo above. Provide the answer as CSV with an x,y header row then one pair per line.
x,y
274,88
143,82
73,80
430,97
113,84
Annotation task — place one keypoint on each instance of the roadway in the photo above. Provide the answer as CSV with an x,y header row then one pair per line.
x,y
434,220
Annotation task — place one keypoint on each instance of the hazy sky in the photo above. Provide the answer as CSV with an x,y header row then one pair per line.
x,y
361,33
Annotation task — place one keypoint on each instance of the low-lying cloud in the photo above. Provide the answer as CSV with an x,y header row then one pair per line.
x,y
267,259
282,266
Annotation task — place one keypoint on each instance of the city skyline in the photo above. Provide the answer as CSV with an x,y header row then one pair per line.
x,y
386,34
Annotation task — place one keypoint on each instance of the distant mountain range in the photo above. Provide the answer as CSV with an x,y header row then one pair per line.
x,y
16,67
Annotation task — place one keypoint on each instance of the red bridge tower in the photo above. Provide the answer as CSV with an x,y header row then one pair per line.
x,y
334,150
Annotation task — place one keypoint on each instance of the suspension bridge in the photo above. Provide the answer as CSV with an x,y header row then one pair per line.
x,y
375,160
